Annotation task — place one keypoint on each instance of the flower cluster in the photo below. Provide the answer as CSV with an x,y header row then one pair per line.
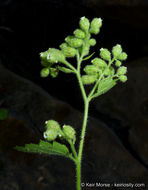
x,y
105,66
79,42
53,131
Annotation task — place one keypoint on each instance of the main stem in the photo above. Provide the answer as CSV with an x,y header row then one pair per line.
x,y
79,161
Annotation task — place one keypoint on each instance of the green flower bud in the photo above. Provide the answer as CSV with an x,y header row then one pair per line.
x,y
89,79
99,62
91,69
44,72
95,25
63,45
68,38
105,54
112,71
123,78
45,63
55,56
43,55
54,72
84,24
79,33
92,42
65,70
107,72
69,51
75,42
69,132
85,50
51,124
122,70
50,134
118,63
122,56
117,50
95,31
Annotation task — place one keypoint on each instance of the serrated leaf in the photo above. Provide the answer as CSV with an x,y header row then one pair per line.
x,y
105,85
88,57
44,147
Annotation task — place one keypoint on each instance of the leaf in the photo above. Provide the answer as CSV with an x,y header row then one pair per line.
x,y
105,85
3,114
65,70
44,147
88,57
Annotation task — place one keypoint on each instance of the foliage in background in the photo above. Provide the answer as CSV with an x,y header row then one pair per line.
x,y
3,114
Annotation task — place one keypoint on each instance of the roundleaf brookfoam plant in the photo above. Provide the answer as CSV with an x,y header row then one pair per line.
x,y
103,73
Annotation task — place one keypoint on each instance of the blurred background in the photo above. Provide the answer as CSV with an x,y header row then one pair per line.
x,y
116,144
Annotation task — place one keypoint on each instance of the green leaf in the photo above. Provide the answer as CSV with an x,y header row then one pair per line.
x,y
88,57
44,147
3,114
65,70
105,85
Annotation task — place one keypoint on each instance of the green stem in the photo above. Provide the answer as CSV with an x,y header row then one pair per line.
x,y
78,74
86,106
70,66
79,161
73,149
78,170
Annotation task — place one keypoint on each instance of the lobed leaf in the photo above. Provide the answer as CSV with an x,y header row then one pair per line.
x,y
44,147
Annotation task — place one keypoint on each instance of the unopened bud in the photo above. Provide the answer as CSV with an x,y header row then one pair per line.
x,y
91,69
44,72
118,63
43,55
50,134
95,25
52,124
122,70
55,56
84,24
123,78
92,42
75,42
69,51
99,62
89,79
107,72
122,56
63,45
54,72
105,54
117,50
79,33
69,132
